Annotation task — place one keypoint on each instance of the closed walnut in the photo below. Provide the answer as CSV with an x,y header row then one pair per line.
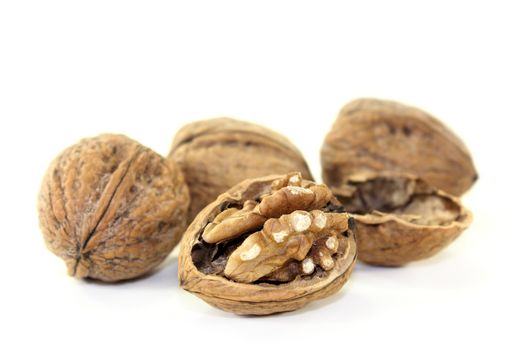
x,y
371,136
112,208
268,245
219,153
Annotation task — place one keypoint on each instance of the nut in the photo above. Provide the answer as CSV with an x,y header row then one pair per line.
x,y
112,208
372,136
401,219
219,153
294,246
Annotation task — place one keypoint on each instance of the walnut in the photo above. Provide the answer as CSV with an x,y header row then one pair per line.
x,y
112,208
295,245
371,136
393,165
219,153
401,218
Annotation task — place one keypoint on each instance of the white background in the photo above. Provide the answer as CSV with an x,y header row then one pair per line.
x,y
71,69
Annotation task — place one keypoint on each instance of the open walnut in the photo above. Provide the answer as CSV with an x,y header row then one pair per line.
x,y
371,136
401,218
219,153
390,163
268,245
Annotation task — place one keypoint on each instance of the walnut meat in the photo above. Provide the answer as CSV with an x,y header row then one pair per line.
x,y
112,208
219,153
371,136
268,245
400,218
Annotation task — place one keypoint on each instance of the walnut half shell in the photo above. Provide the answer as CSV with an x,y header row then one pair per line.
x,y
401,218
268,245
371,136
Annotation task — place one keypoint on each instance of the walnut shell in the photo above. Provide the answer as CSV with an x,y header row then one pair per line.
x,y
401,218
112,208
371,136
291,257
217,154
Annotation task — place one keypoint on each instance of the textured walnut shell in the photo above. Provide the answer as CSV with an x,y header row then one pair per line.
x,y
371,136
112,208
217,154
258,298
404,220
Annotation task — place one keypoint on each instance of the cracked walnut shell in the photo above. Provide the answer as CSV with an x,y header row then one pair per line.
x,y
400,218
268,245
371,136
112,208
217,154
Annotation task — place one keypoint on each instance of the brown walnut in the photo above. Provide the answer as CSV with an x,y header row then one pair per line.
x,y
400,218
217,154
371,136
295,245
112,208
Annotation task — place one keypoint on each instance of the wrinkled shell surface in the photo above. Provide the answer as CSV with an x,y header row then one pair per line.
x,y
201,264
371,136
219,153
401,219
112,208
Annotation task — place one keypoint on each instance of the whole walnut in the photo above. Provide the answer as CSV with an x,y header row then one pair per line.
x,y
112,208
393,167
371,136
217,154
268,245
